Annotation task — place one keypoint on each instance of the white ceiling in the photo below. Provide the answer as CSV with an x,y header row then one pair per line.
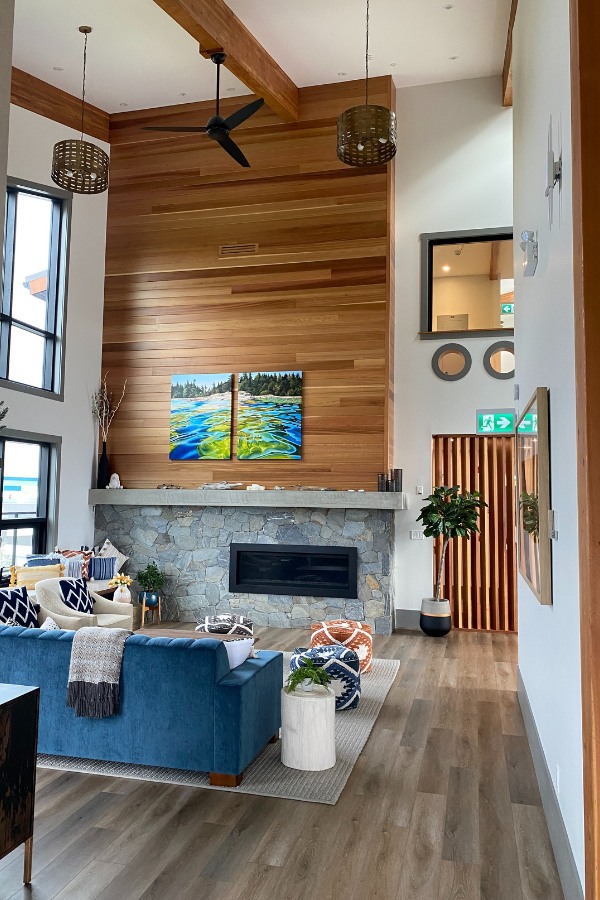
x,y
139,57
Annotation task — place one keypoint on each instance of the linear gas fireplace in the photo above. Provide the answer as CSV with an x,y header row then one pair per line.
x,y
297,570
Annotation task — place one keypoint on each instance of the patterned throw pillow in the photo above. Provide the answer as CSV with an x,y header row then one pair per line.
x,y
28,576
102,568
16,608
108,549
83,555
75,595
227,623
49,625
43,561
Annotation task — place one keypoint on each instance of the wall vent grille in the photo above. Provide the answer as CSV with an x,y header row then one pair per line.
x,y
227,250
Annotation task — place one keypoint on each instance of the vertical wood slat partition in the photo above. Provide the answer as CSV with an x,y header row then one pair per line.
x,y
480,574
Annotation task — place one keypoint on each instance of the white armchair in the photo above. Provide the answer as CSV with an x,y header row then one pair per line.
x,y
67,623
107,613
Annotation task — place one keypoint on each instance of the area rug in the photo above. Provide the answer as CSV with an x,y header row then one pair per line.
x,y
267,776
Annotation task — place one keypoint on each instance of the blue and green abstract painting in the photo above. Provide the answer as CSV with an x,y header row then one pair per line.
x,y
269,415
201,416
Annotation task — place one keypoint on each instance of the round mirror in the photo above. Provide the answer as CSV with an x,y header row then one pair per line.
x,y
451,362
499,360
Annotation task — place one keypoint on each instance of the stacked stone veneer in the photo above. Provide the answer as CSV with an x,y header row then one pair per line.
x,y
191,545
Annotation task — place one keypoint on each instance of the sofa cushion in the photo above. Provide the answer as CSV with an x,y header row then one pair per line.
x,y
226,623
238,651
75,595
28,576
82,556
49,625
108,549
17,609
111,620
102,568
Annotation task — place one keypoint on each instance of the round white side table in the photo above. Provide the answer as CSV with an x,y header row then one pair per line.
x,y
308,729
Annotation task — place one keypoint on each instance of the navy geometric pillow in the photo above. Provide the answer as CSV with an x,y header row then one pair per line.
x,y
15,606
75,595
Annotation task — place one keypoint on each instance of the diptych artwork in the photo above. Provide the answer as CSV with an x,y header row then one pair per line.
x,y
269,415
201,417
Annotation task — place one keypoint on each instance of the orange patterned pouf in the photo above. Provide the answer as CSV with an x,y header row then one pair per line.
x,y
358,636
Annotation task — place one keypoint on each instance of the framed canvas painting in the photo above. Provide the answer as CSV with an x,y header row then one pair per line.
x,y
201,417
269,415
533,496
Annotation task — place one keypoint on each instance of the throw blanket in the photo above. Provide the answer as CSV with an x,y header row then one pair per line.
x,y
95,671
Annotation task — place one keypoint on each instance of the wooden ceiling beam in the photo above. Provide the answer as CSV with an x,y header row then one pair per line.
x,y
507,92
216,27
42,98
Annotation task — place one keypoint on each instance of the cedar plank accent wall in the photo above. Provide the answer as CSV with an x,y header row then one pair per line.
x,y
315,296
42,98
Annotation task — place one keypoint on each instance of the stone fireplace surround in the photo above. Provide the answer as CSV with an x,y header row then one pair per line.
x,y
190,543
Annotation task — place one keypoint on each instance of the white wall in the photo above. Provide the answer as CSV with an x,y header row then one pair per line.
x,y
549,651
31,140
453,172
7,9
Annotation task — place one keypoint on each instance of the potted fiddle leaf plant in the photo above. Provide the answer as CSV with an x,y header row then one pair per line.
x,y
448,514
152,581
307,675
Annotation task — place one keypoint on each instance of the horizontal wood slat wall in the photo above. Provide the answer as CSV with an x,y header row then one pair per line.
x,y
316,294
480,574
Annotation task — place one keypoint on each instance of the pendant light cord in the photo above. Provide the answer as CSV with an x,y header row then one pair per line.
x,y
367,61
83,89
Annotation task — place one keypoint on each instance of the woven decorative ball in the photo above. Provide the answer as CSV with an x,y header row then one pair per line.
x,y
226,623
341,664
357,636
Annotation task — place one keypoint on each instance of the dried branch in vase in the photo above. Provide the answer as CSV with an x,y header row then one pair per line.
x,y
105,406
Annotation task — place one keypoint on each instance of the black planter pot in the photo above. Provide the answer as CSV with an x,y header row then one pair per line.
x,y
436,618
103,470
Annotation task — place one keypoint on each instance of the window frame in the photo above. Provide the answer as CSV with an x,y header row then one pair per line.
x,y
439,238
44,526
55,326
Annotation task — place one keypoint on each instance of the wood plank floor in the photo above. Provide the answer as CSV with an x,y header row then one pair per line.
x,y
442,805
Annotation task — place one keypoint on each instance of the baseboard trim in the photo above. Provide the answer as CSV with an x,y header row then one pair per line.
x,y
407,618
565,861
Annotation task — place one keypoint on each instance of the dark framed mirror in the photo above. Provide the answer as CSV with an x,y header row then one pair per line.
x,y
467,283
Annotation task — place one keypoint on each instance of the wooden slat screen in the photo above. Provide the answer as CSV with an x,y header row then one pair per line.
x,y
480,574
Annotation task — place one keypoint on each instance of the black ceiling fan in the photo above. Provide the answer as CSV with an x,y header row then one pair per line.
x,y
217,128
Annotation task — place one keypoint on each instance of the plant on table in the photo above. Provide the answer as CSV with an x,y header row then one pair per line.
x,y
448,514
307,672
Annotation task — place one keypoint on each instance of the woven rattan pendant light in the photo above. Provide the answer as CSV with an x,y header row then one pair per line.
x,y
78,165
366,135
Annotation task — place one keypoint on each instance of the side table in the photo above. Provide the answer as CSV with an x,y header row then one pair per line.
x,y
308,729
19,708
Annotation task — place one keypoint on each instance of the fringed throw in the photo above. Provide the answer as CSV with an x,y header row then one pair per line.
x,y
95,671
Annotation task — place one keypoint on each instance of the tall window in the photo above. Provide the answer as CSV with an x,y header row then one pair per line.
x,y
31,317
24,479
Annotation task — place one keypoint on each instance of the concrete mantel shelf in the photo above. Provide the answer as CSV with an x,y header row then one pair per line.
x,y
275,499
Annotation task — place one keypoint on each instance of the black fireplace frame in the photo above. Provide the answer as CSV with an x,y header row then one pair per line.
x,y
304,590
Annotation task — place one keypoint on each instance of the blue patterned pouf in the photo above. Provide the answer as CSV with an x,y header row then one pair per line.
x,y
342,664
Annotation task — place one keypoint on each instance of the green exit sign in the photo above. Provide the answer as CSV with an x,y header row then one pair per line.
x,y
507,309
495,421
529,423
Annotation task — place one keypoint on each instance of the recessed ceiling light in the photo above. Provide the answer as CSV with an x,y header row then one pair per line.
x,y
230,90
57,69
183,94
123,104
453,57
341,74
392,65
445,268
449,6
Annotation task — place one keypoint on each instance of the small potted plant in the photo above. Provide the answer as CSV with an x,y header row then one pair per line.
x,y
152,581
307,675
447,514
121,583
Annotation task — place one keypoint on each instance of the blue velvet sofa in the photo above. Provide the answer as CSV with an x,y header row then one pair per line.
x,y
181,705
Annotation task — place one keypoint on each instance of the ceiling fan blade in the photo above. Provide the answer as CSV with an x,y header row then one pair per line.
x,y
175,129
232,148
244,113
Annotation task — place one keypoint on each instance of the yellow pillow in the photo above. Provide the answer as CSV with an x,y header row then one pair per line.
x,y
25,576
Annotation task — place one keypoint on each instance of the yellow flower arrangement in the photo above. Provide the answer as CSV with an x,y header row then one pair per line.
x,y
120,581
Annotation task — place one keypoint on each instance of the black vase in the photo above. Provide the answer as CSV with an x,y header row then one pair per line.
x,y
103,471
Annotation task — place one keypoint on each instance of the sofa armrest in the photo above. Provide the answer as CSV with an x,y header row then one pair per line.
x,y
247,711
109,607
